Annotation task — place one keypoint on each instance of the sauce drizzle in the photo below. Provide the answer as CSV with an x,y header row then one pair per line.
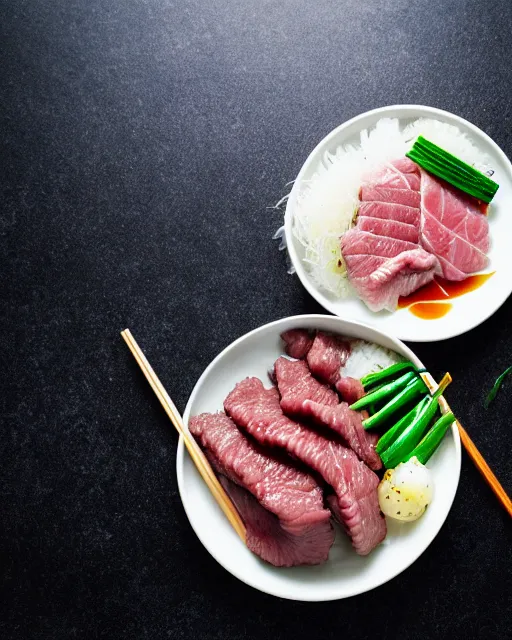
x,y
430,310
430,302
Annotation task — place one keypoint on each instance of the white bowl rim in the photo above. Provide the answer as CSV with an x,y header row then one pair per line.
x,y
181,451
301,272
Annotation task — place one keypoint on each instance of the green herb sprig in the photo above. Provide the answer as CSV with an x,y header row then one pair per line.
x,y
496,387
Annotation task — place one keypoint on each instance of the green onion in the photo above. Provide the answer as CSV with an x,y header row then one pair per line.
x,y
384,392
496,387
400,450
393,371
396,430
446,166
433,439
414,389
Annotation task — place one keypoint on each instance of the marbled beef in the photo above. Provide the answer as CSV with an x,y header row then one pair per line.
x,y
257,410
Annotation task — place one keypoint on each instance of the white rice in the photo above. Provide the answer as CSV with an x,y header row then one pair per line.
x,y
326,205
367,357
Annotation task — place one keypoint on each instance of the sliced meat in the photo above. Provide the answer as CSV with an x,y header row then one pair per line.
x,y
359,522
385,195
381,281
398,174
362,243
382,254
298,342
453,229
327,355
348,424
390,228
410,227
296,384
450,272
452,249
350,389
454,210
303,396
281,505
278,544
257,410
391,211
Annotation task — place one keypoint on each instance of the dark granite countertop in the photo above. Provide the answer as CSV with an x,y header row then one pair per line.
x,y
141,144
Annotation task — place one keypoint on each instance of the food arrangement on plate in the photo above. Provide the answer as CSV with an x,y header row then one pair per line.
x,y
341,428
399,213
305,448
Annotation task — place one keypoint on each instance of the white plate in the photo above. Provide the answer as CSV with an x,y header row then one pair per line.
x,y
345,574
470,309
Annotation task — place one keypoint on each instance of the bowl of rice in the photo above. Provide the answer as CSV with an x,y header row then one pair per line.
x,y
324,201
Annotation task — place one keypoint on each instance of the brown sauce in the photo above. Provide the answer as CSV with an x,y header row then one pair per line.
x,y
483,206
440,290
430,310
456,289
431,291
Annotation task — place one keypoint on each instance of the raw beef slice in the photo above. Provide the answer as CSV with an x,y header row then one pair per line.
x,y
257,410
282,507
350,389
327,355
349,425
296,384
298,342
302,395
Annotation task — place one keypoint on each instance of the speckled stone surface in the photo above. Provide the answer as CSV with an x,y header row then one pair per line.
x,y
141,144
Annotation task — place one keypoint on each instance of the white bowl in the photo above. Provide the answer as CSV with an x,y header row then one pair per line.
x,y
345,574
470,309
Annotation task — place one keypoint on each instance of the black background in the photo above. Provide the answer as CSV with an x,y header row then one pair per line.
x,y
142,143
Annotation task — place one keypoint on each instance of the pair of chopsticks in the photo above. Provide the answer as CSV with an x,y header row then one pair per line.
x,y
198,457
472,451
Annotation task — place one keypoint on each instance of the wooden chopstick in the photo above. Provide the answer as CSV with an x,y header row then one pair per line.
x,y
472,451
198,457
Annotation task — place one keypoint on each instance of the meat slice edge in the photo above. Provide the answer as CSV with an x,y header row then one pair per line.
x,y
298,342
270,540
296,384
350,389
349,425
381,282
327,355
